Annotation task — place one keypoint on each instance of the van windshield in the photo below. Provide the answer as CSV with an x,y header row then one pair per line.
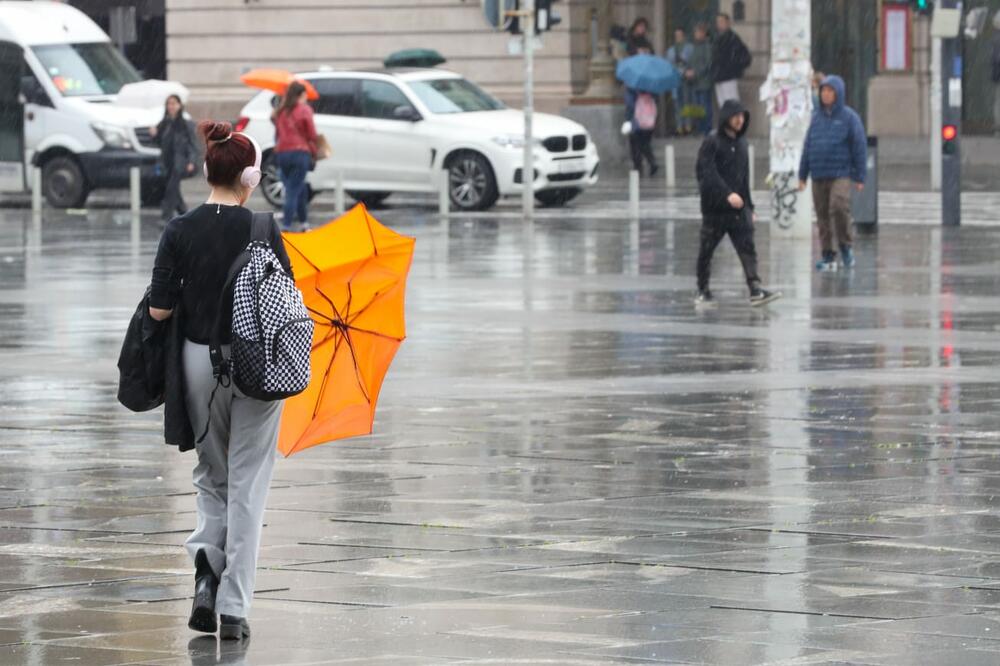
x,y
454,96
84,70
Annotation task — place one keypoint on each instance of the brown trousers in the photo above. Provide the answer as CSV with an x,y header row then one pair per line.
x,y
832,198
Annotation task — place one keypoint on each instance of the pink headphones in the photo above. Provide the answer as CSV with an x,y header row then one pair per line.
x,y
250,178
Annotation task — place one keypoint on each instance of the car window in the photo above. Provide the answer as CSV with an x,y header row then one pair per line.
x,y
337,97
453,96
380,99
32,90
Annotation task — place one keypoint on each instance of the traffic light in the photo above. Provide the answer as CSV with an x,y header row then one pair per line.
x,y
949,136
545,18
923,6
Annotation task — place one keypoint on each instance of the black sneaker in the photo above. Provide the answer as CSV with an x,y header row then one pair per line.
x,y
234,628
705,299
653,170
759,297
206,584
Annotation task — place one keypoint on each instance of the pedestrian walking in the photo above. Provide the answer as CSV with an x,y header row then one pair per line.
x,y
723,172
177,155
834,154
640,119
699,77
296,152
679,55
638,36
730,58
236,453
996,73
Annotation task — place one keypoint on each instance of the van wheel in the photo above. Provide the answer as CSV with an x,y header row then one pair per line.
x,y
557,197
369,199
63,183
471,183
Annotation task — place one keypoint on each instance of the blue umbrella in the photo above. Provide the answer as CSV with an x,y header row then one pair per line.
x,y
648,73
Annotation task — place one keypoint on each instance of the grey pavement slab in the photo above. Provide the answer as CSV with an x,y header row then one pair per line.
x,y
571,464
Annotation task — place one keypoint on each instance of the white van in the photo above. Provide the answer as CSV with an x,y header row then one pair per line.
x,y
59,77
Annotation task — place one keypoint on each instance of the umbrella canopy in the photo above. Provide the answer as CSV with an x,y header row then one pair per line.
x,y
150,94
648,73
414,58
276,80
352,273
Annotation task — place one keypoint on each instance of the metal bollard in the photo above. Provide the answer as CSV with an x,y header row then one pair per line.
x,y
36,190
633,194
444,200
752,159
134,185
670,166
340,205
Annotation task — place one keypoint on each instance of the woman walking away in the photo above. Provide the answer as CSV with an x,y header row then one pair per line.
x,y
296,150
177,155
236,454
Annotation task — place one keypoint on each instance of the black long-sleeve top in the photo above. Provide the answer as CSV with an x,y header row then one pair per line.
x,y
193,260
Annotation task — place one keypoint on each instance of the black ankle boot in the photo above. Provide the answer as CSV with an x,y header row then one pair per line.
x,y
234,628
206,583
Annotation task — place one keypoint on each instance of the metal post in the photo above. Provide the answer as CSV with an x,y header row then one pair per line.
x,y
339,202
752,159
528,166
951,114
936,113
670,166
36,190
444,201
134,185
633,194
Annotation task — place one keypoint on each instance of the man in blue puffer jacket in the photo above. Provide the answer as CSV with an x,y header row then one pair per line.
x,y
835,153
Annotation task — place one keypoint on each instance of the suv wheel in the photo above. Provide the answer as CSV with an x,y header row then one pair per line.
x,y
369,199
270,182
557,197
63,183
471,183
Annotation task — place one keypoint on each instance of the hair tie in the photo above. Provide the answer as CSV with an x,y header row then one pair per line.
x,y
226,139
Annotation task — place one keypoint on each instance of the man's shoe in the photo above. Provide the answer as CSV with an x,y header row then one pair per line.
x,y
827,263
653,169
705,299
206,584
847,256
759,297
234,628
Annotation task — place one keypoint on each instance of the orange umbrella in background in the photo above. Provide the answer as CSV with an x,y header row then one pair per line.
x,y
352,273
276,80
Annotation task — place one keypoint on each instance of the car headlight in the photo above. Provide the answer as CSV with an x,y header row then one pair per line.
x,y
514,141
113,136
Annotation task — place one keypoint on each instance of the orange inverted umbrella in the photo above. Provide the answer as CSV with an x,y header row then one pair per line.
x,y
352,273
276,80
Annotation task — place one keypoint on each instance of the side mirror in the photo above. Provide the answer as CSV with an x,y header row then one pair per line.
x,y
406,112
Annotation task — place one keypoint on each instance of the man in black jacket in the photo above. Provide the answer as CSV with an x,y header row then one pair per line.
x,y
723,172
730,58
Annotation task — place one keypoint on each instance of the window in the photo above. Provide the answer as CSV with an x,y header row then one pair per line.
x,y
453,96
380,99
32,89
81,70
337,97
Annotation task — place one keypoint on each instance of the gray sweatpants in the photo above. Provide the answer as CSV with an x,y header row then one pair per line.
x,y
235,462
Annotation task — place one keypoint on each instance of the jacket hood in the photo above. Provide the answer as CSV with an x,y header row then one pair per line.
x,y
837,84
733,108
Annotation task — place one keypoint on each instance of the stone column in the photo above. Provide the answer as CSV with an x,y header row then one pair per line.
x,y
787,93
602,66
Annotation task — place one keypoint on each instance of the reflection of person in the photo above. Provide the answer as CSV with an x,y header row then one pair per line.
x,y
730,59
177,155
295,150
237,450
723,172
679,55
699,77
835,153
638,36
995,61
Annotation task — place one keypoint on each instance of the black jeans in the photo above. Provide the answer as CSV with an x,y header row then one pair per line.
x,y
641,143
739,228
173,201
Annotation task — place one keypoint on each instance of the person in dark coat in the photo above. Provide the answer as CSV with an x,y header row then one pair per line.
x,y
638,36
730,58
834,154
723,172
177,155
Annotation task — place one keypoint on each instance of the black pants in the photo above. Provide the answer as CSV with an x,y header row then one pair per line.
x,y
173,201
641,143
739,228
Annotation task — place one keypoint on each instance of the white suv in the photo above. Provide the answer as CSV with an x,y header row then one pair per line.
x,y
393,130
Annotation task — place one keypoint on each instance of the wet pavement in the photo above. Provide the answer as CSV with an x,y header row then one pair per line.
x,y
571,465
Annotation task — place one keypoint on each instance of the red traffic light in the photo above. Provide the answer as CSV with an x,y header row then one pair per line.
x,y
949,132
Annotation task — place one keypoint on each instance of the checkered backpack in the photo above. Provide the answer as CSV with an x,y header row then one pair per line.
x,y
272,331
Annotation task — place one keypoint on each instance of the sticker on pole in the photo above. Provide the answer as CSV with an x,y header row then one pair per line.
x,y
955,93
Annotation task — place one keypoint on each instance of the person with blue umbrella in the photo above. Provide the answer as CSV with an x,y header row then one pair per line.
x,y
645,76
